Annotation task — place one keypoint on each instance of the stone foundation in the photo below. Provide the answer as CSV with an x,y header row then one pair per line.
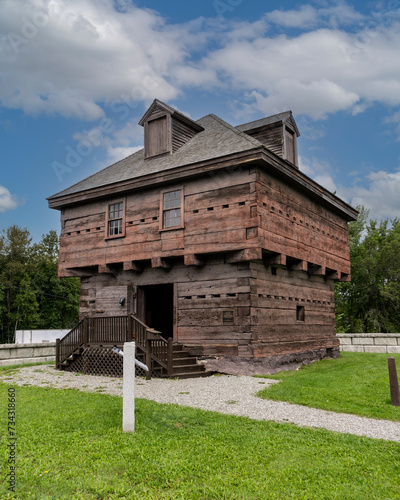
x,y
370,342
17,354
267,365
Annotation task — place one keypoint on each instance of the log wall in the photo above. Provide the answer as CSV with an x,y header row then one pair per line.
x,y
216,216
227,213
293,224
230,309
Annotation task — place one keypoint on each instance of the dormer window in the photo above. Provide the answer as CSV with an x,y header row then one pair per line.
x,y
278,133
290,147
166,130
157,133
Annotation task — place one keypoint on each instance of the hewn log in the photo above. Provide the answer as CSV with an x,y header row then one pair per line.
x,y
132,266
193,260
106,269
160,262
244,255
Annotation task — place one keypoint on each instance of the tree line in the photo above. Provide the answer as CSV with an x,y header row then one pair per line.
x,y
370,303
32,296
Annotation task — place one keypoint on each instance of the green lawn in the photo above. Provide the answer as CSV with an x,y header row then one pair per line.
x,y
70,446
354,383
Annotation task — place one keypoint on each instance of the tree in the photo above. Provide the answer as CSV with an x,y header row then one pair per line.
x,y
371,302
31,293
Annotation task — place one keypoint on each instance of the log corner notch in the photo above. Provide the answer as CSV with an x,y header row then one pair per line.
x,y
193,260
296,264
274,259
132,265
105,269
160,262
245,255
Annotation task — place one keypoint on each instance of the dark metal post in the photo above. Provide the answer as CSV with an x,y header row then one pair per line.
x,y
148,358
57,353
170,356
394,382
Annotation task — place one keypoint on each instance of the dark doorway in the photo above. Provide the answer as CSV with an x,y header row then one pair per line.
x,y
157,307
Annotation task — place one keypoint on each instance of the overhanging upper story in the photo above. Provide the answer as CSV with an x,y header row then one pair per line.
x,y
199,188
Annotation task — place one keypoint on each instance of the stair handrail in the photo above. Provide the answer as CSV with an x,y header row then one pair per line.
x,y
74,339
158,349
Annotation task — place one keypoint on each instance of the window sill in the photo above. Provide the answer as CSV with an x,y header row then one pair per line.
x,y
175,228
115,236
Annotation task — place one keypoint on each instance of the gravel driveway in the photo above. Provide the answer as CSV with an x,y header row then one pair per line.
x,y
234,395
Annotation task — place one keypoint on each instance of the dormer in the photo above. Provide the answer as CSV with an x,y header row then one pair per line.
x,y
278,133
166,130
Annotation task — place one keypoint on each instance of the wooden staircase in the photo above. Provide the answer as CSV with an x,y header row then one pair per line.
x,y
164,358
186,365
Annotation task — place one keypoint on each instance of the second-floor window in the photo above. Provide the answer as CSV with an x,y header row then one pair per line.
x,y
172,209
115,219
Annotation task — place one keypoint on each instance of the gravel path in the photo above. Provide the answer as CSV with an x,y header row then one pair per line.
x,y
223,393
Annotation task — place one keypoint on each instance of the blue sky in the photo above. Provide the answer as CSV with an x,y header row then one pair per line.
x,y
76,76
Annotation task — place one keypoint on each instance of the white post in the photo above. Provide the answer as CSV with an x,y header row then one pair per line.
x,y
128,405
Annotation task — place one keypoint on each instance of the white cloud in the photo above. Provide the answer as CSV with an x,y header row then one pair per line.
x,y
8,201
73,57
80,54
315,98
316,72
379,192
320,172
307,16
119,153
380,196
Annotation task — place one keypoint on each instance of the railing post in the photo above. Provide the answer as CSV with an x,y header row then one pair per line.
x,y
170,356
130,329
148,358
85,332
57,353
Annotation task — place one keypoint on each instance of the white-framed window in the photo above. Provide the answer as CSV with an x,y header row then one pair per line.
x,y
115,219
171,209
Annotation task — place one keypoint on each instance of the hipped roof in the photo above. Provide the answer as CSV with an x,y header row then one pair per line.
x,y
212,146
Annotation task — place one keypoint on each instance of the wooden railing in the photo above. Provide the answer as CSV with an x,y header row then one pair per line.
x,y
115,330
70,343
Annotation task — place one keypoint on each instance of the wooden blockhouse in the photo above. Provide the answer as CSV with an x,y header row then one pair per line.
x,y
212,236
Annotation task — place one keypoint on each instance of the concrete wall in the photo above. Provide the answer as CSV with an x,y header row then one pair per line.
x,y
17,354
36,336
370,342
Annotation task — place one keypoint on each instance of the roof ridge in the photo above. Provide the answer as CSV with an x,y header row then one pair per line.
x,y
238,132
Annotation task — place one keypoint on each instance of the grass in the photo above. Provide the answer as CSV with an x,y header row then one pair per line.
x,y
354,383
70,446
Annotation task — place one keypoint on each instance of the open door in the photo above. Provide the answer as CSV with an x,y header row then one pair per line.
x,y
155,307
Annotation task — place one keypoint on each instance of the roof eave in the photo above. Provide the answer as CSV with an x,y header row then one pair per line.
x,y
260,156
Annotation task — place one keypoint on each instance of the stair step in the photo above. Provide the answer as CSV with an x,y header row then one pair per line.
x,y
184,361
187,368
192,375
180,354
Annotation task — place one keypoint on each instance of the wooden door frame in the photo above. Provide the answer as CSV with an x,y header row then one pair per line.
x,y
137,305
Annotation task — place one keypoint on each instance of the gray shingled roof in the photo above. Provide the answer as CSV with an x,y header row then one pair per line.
x,y
218,139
